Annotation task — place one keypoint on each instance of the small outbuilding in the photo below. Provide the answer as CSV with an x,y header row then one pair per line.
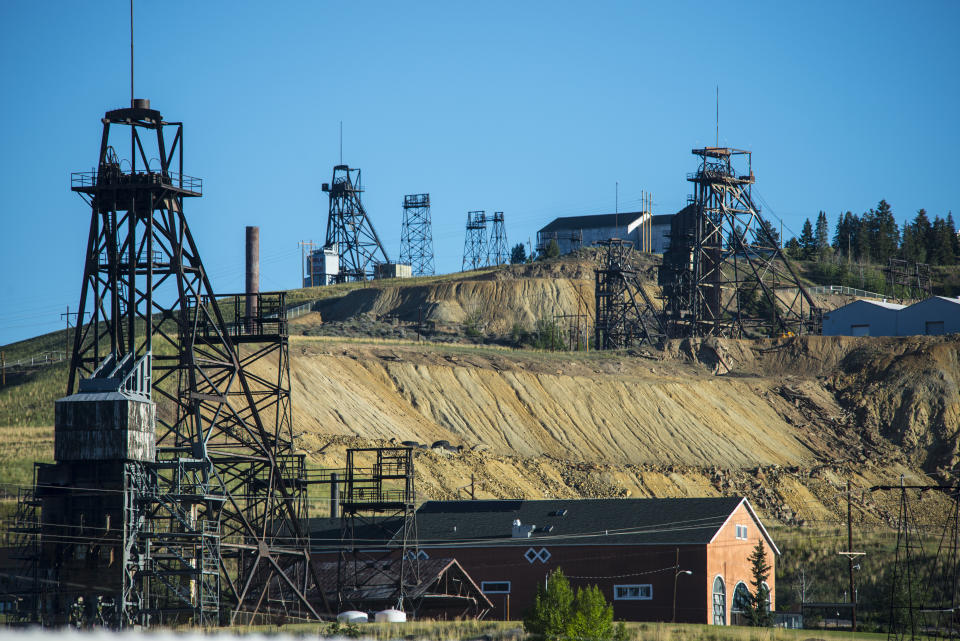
x,y
863,318
573,232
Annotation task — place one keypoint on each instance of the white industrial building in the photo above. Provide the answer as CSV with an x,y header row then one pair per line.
x,y
933,316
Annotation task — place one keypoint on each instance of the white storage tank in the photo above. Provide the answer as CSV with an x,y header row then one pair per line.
x,y
352,616
390,616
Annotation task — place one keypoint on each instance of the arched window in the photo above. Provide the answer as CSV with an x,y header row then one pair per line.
x,y
719,602
741,598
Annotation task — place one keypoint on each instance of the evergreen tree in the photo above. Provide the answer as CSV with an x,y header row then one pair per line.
x,y
558,614
759,613
518,254
846,236
807,240
921,231
769,239
940,247
592,616
552,250
552,608
822,235
953,234
792,248
884,233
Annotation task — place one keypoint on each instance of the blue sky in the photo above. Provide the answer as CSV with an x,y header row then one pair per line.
x,y
535,109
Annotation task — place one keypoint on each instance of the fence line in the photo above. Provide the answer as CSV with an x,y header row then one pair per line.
x,y
44,358
841,289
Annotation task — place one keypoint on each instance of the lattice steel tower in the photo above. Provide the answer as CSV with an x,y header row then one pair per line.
x,y
625,313
724,273
475,253
498,253
349,228
416,235
176,494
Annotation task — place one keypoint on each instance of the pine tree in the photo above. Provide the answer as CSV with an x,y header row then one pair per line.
x,y
518,254
552,608
766,234
592,616
885,233
759,613
953,234
940,248
822,235
807,240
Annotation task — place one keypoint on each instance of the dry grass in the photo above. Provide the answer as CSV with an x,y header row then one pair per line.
x,y
460,630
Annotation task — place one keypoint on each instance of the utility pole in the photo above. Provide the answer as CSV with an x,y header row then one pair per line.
x,y
851,555
303,258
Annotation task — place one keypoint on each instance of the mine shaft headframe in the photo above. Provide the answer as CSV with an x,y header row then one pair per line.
x,y
350,229
735,259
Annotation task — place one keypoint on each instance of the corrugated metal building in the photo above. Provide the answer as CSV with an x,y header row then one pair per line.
x,y
572,232
933,316
862,318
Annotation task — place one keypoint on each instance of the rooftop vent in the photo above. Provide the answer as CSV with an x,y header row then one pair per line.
x,y
521,531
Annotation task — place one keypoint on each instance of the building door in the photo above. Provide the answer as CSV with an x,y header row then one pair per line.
x,y
719,602
934,328
859,330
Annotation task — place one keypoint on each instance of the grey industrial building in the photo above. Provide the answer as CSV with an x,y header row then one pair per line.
x,y
933,316
573,232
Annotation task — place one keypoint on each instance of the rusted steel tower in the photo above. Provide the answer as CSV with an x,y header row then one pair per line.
x,y
625,313
416,235
725,274
349,229
475,253
498,253
176,494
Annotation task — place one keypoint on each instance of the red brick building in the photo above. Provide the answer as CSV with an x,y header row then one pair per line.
x,y
636,550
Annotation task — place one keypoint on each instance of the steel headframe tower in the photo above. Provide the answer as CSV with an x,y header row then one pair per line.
x,y
724,273
498,252
625,313
378,503
416,235
475,253
177,494
350,229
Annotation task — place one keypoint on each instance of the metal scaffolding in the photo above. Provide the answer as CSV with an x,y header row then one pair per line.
x,y
907,281
498,253
475,254
187,504
416,235
378,503
724,273
625,313
350,229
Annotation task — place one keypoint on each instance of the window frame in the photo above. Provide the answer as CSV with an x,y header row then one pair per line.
x,y
639,597
486,591
740,528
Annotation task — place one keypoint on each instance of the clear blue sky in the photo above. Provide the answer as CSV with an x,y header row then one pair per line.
x,y
535,109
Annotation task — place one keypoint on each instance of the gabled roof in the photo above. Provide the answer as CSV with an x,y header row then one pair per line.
x,y
623,219
935,300
679,521
873,303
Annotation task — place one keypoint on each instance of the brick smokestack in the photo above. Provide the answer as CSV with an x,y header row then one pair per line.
x,y
253,273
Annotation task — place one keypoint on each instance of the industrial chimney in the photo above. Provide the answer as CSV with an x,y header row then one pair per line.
x,y
253,276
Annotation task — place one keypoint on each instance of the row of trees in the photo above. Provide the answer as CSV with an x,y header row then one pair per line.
x,y
875,237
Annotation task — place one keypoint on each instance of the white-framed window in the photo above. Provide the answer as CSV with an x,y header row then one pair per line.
x,y
633,592
742,532
532,554
495,587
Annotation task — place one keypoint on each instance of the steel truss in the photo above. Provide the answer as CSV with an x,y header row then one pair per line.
x,y
498,253
416,235
724,273
211,525
625,314
349,229
475,254
925,583
904,282
378,503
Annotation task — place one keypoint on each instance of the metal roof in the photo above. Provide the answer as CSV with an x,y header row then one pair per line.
x,y
623,219
671,521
